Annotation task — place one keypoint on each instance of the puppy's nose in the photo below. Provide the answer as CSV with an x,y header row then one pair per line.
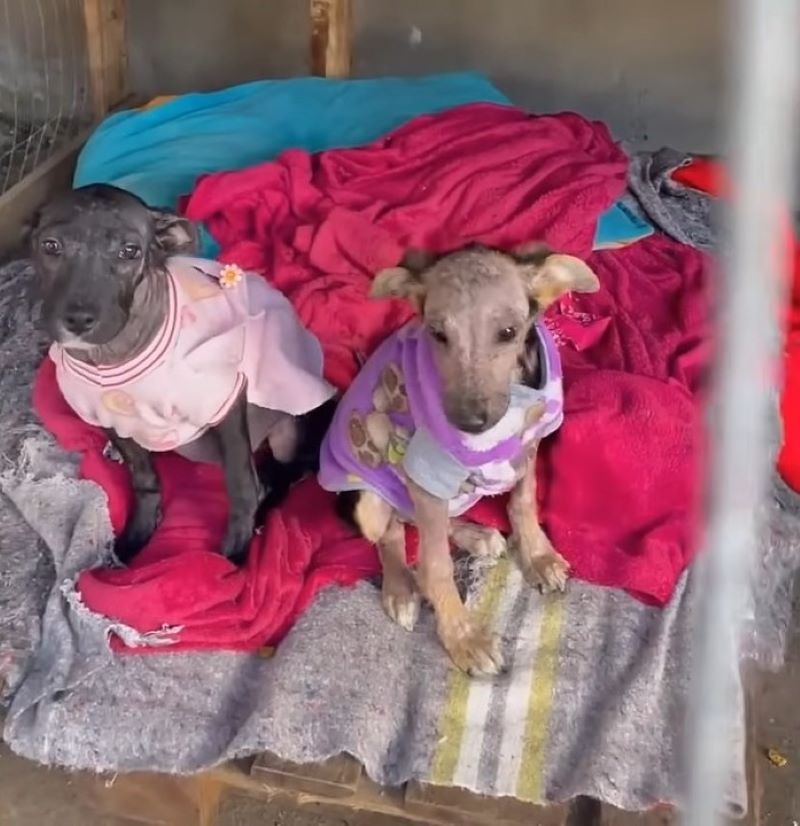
x,y
79,321
474,421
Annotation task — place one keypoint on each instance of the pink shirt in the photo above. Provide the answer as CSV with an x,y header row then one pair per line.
x,y
214,343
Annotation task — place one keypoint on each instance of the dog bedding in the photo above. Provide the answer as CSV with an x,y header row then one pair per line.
x,y
319,227
577,712
159,151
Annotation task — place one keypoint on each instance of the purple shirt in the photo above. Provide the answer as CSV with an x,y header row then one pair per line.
x,y
391,426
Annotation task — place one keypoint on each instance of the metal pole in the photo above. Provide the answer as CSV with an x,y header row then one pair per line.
x,y
762,120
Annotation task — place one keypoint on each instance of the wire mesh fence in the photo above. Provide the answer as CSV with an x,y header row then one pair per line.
x,y
44,82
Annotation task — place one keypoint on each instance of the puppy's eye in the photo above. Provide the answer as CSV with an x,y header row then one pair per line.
x,y
51,246
130,251
507,334
438,335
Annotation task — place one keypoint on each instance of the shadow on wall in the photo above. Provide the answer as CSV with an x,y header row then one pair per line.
x,y
651,69
200,45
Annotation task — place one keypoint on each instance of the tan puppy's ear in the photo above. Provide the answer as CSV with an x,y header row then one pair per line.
x,y
405,280
394,282
549,275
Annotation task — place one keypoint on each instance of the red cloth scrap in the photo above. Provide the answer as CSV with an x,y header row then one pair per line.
x,y
709,175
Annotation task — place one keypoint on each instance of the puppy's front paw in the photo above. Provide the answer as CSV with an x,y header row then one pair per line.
x,y
472,647
141,526
542,566
402,609
478,540
237,540
127,545
400,599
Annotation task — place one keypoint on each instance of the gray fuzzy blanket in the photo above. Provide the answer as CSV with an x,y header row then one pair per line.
x,y
594,702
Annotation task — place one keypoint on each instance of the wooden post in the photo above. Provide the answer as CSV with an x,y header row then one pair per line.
x,y
107,54
331,37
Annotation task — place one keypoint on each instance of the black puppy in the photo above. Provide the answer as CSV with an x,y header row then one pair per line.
x,y
101,257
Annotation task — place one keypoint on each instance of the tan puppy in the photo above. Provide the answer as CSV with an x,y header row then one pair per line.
x,y
478,309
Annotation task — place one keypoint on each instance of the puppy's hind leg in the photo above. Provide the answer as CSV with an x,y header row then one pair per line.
x,y
241,481
294,447
143,520
378,522
479,541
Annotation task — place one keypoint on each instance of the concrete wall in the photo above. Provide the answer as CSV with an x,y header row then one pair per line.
x,y
652,69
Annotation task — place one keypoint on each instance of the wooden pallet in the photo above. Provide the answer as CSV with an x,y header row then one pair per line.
x,y
339,788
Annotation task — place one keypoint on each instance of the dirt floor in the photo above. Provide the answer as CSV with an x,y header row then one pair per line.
x,y
34,796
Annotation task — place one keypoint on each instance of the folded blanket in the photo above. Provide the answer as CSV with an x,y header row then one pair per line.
x,y
618,484
159,151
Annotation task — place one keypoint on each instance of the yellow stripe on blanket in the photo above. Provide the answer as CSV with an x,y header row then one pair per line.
x,y
530,782
454,717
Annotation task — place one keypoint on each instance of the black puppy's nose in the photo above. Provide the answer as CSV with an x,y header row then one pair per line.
x,y
474,421
79,321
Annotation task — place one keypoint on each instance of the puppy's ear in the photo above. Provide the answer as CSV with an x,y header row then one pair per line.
x,y
174,234
405,280
28,228
549,275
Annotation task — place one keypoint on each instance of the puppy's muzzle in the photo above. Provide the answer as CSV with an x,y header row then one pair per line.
x,y
473,421
79,321
476,415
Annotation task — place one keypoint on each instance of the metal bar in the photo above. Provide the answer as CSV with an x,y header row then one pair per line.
x,y
762,120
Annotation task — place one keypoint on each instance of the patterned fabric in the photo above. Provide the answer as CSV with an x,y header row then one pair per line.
x,y
495,733
391,426
212,345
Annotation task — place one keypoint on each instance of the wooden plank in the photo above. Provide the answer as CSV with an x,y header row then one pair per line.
x,y
154,799
25,197
456,805
170,800
370,804
336,777
755,764
238,809
106,53
331,37
585,811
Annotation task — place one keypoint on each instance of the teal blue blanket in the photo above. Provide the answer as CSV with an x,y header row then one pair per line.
x,y
159,153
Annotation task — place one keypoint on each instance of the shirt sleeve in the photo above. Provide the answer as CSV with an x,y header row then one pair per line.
x,y
430,467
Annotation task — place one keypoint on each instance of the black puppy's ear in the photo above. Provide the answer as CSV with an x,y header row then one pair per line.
x,y
28,227
174,234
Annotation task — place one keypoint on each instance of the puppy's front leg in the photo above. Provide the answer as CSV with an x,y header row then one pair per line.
x,y
147,498
472,647
241,480
541,564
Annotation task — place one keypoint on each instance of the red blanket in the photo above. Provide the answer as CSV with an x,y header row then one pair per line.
x,y
618,483
708,175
